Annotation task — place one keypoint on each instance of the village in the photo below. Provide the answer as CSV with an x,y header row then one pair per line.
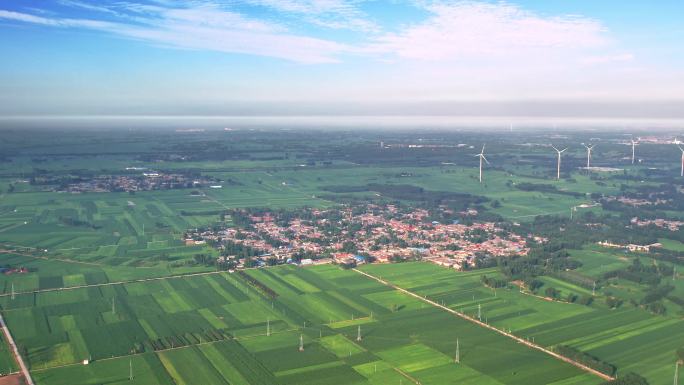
x,y
373,234
146,181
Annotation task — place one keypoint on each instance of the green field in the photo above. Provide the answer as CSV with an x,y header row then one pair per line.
x,y
629,338
213,329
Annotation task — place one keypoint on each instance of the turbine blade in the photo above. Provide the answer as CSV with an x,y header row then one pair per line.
x,y
563,149
485,159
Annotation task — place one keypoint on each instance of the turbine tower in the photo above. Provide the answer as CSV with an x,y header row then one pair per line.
x,y
634,144
482,157
682,150
559,161
589,148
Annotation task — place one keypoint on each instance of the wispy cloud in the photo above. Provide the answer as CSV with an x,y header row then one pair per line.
x,y
336,14
202,26
463,33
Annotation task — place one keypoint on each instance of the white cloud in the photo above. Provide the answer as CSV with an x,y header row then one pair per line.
x,y
607,59
475,30
27,18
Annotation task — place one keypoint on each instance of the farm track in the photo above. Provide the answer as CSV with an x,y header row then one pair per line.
x,y
490,327
15,352
113,283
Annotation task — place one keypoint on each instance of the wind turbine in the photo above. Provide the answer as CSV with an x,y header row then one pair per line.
x,y
481,155
559,160
682,150
634,144
589,148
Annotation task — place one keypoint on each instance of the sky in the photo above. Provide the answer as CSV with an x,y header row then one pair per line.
x,y
620,58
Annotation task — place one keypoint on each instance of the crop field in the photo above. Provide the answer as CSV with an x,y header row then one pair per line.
x,y
52,273
123,229
629,338
221,329
596,261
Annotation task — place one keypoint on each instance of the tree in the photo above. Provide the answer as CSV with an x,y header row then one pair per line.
x,y
551,292
628,379
680,354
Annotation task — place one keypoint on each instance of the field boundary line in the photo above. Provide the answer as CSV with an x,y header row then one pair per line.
x,y
15,352
113,283
490,327
406,375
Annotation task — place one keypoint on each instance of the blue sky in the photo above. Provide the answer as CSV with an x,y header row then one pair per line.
x,y
77,57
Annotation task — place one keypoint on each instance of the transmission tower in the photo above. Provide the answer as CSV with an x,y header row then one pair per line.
x,y
268,327
479,312
358,333
13,296
301,342
130,369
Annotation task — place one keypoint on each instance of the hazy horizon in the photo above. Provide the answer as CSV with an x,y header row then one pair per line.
x,y
581,59
344,122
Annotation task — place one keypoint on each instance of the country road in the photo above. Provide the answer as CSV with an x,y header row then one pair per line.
x,y
490,327
15,352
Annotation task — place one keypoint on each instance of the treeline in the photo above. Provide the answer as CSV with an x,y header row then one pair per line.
x,y
239,250
69,221
256,283
628,379
494,282
547,188
585,359
413,193
639,273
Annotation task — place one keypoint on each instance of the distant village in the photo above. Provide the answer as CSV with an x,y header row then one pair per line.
x,y
371,233
145,181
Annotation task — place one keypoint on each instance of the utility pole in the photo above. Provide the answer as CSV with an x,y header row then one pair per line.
x,y
457,358
301,342
676,376
479,312
113,306
13,296
593,289
130,369
358,333
268,327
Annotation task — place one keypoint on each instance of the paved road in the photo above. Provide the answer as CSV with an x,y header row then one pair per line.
x,y
490,327
15,351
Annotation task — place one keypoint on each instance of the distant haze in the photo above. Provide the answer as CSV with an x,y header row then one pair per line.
x,y
348,122
520,58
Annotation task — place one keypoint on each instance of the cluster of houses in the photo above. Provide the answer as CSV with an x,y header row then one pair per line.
x,y
377,233
13,270
662,223
147,181
635,202
630,247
